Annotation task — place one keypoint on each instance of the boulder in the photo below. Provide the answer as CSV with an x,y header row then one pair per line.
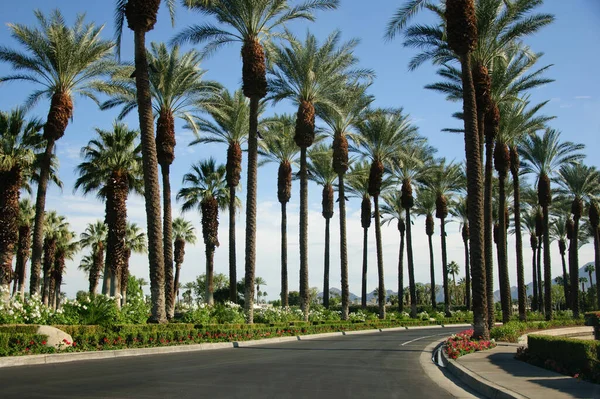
x,y
56,338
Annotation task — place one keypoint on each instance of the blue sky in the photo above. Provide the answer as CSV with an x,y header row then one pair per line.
x,y
570,44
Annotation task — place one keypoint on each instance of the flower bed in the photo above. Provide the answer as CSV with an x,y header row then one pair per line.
x,y
462,344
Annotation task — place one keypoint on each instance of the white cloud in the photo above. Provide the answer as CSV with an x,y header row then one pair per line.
x,y
583,97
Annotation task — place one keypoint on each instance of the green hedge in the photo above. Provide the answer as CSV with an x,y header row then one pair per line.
x,y
575,355
18,329
511,331
592,319
12,344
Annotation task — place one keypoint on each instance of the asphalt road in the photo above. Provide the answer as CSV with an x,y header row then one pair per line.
x,y
379,365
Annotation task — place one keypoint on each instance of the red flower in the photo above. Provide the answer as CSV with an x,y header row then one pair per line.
x,y
43,342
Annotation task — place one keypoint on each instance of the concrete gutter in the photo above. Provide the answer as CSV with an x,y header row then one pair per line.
x,y
30,360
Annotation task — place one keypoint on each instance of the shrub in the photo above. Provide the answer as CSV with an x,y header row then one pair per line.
x,y
461,344
512,330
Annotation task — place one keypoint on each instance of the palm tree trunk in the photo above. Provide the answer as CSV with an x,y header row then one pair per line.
x,y
96,266
467,275
343,249
505,296
106,281
22,256
475,201
9,230
540,297
401,275
565,278
210,254
326,266
304,291
596,263
522,291
151,185
363,299
488,236
432,272
251,210
411,267
547,267
447,299
232,258
168,242
381,294
49,253
116,221
574,268
38,229
284,271
534,301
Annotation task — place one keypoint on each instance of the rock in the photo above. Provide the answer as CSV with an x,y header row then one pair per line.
x,y
56,338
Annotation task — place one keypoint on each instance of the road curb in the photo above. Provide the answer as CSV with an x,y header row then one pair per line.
x,y
31,360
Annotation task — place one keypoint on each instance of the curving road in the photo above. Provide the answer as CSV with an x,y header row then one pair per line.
x,y
378,365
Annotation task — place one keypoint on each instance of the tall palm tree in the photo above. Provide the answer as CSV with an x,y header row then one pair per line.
x,y
391,210
321,171
94,237
311,74
529,224
141,16
66,248
177,89
207,191
381,138
259,281
581,183
543,156
411,168
582,281
425,206
61,61
26,218
558,233
278,147
254,24
453,269
444,180
349,108
459,211
54,225
183,233
594,217
112,168
135,242
19,142
589,269
231,115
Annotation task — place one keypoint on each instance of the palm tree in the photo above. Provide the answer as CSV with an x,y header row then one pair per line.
x,y
26,218
594,217
426,207
543,156
278,147
558,233
321,171
444,180
311,75
582,281
231,115
94,237
112,168
453,269
61,61
349,108
207,191
391,210
54,225
177,89
358,186
529,224
19,141
86,264
459,210
589,269
254,24
581,183
406,170
259,281
381,138
66,248
183,233
135,242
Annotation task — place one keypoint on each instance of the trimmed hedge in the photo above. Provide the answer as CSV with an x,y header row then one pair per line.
x,y
18,329
511,331
14,344
574,355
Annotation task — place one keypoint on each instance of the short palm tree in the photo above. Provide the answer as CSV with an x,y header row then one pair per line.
x,y
349,108
453,269
582,281
528,219
581,184
259,281
391,210
61,61
558,233
141,16
112,168
543,156
183,233
278,147
19,142
425,206
66,248
321,172
381,138
231,115
135,242
254,24
177,90
205,188
310,74
26,218
589,269
54,225
94,237
459,211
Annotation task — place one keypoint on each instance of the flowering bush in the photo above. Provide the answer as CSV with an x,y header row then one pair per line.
x,y
462,344
228,313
